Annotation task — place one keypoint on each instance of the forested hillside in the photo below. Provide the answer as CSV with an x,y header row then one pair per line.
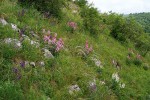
x,y
67,50
143,19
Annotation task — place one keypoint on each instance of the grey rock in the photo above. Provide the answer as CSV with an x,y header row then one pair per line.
x,y
48,54
16,43
74,88
3,21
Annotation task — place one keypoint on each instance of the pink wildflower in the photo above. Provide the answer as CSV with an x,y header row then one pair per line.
x,y
46,38
59,44
54,39
86,45
87,48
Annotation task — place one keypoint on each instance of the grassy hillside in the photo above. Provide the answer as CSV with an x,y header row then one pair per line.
x,y
31,68
143,19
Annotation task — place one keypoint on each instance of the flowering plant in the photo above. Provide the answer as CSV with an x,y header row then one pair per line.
x,y
55,44
84,51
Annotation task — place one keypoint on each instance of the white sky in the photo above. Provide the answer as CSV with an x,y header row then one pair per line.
x,y
122,6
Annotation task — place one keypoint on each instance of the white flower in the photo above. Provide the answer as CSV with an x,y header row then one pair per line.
x,y
115,77
74,88
97,62
122,85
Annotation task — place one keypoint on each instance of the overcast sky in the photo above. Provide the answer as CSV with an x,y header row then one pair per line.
x,y
122,6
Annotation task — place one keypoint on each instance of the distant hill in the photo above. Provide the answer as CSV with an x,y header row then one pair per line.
x,y
143,19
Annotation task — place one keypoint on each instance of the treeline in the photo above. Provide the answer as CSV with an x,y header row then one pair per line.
x,y
143,19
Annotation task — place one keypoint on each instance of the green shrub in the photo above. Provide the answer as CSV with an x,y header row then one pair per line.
x,y
146,67
122,28
137,62
91,19
142,44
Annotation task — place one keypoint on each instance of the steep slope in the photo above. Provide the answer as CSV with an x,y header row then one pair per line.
x,y
28,72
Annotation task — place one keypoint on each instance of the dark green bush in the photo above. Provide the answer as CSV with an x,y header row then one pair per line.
x,y
143,44
91,19
146,67
50,7
122,28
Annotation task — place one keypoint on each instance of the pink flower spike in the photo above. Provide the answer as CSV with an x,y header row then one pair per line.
x,y
53,40
86,45
59,44
46,38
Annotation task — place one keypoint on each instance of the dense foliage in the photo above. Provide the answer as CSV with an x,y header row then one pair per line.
x,y
90,15
49,7
122,28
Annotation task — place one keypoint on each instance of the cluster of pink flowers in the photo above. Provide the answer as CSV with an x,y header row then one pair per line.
x,y
59,44
73,25
87,48
52,40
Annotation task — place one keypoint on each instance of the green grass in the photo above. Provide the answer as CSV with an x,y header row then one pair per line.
x,y
52,80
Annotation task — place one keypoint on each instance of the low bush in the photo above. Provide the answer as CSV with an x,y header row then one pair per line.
x,y
50,7
137,62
